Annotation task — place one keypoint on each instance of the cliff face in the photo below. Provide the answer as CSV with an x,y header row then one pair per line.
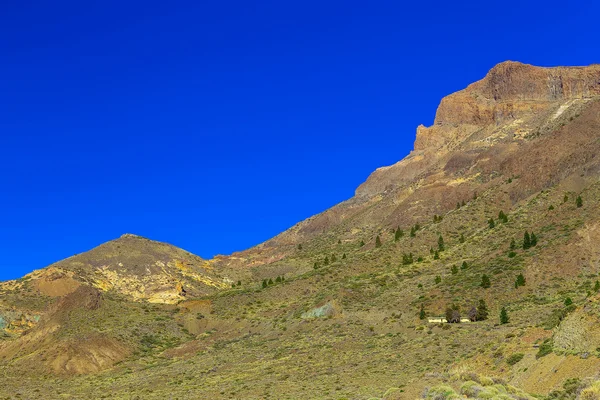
x,y
511,95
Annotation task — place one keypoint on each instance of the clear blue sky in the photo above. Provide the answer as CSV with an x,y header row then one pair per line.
x,y
214,125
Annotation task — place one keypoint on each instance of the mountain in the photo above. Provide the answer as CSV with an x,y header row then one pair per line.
x,y
498,204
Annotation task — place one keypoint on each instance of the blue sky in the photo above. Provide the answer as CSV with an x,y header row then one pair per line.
x,y
216,125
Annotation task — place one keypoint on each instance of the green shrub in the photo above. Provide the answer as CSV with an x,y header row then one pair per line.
x,y
515,358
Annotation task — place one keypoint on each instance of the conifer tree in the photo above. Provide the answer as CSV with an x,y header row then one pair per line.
x,y
454,270
513,244
504,316
565,198
344,256
462,238
398,234
316,265
422,314
264,283
520,281
464,265
436,255
362,243
457,205
239,283
568,301
278,279
526,241
441,246
326,261
339,241
412,232
463,203
438,279
533,239
491,223
579,201
377,241
300,247
417,226
485,281
482,311
333,258
597,286
270,281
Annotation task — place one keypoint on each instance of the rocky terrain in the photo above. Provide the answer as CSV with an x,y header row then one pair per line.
x,y
498,204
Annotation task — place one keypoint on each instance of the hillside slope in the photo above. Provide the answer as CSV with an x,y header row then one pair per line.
x,y
499,203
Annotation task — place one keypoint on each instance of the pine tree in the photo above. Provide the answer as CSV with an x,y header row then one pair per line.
x,y
339,241
463,203
436,255
278,279
412,232
526,241
316,265
551,207
502,217
565,198
438,279
333,258
520,281
454,270
504,316
475,196
579,201
398,234
533,239
344,256
491,223
270,281
264,284
417,226
233,285
362,243
457,205
464,265
422,314
441,243
482,311
513,244
239,283
462,238
568,301
326,261
597,286
485,281
299,247
377,241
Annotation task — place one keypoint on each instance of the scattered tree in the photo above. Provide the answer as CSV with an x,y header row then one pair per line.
x,y
462,238
270,281
453,314
504,316
438,279
407,259
463,203
265,283
513,244
377,241
457,205
344,256
339,241
579,201
422,313
491,223
526,241
326,261
398,234
568,301
300,247
412,232
482,311
441,243
533,239
551,207
597,286
502,217
436,255
485,281
473,314
520,281
565,198
464,265
454,270
278,279
239,283
333,258
362,243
